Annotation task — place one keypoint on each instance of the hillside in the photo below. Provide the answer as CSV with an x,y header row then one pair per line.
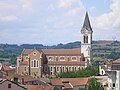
x,y
102,50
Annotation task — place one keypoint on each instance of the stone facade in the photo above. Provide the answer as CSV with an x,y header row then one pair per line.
x,y
37,62
30,63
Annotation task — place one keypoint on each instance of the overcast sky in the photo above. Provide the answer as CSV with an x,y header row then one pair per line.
x,y
57,21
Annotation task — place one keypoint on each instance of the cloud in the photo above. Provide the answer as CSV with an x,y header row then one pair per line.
x,y
5,5
110,19
8,18
74,11
66,3
92,9
51,7
11,10
26,4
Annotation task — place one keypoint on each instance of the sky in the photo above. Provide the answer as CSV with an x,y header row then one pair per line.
x,y
50,22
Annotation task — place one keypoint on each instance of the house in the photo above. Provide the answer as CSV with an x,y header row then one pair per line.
x,y
41,62
39,87
114,75
104,66
9,85
6,71
69,83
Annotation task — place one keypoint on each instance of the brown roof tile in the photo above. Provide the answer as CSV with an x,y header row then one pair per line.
x,y
6,68
76,81
27,78
75,51
27,51
72,81
116,61
56,81
38,87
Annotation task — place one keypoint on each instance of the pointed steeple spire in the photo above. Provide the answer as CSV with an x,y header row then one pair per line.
x,y
87,22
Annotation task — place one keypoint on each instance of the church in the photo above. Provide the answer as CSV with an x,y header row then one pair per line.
x,y
41,62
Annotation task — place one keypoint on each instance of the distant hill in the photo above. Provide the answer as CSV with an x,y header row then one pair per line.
x,y
59,46
103,50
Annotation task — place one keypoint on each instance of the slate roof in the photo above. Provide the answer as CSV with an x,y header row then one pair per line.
x,y
87,22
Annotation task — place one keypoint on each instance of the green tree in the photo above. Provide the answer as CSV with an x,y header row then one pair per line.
x,y
93,85
86,72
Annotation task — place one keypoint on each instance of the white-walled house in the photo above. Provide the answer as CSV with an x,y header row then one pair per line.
x,y
103,67
114,75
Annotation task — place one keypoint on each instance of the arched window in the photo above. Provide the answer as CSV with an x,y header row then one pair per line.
x,y
32,64
85,39
35,63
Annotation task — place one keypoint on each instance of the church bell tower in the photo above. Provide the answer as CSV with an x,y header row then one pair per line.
x,y
86,42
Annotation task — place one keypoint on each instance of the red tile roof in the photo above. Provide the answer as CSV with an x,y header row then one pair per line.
x,y
56,82
76,81
75,51
116,61
27,78
38,87
6,68
72,81
27,51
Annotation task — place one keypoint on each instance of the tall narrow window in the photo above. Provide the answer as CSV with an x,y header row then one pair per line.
x,y
37,63
63,69
34,63
85,39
